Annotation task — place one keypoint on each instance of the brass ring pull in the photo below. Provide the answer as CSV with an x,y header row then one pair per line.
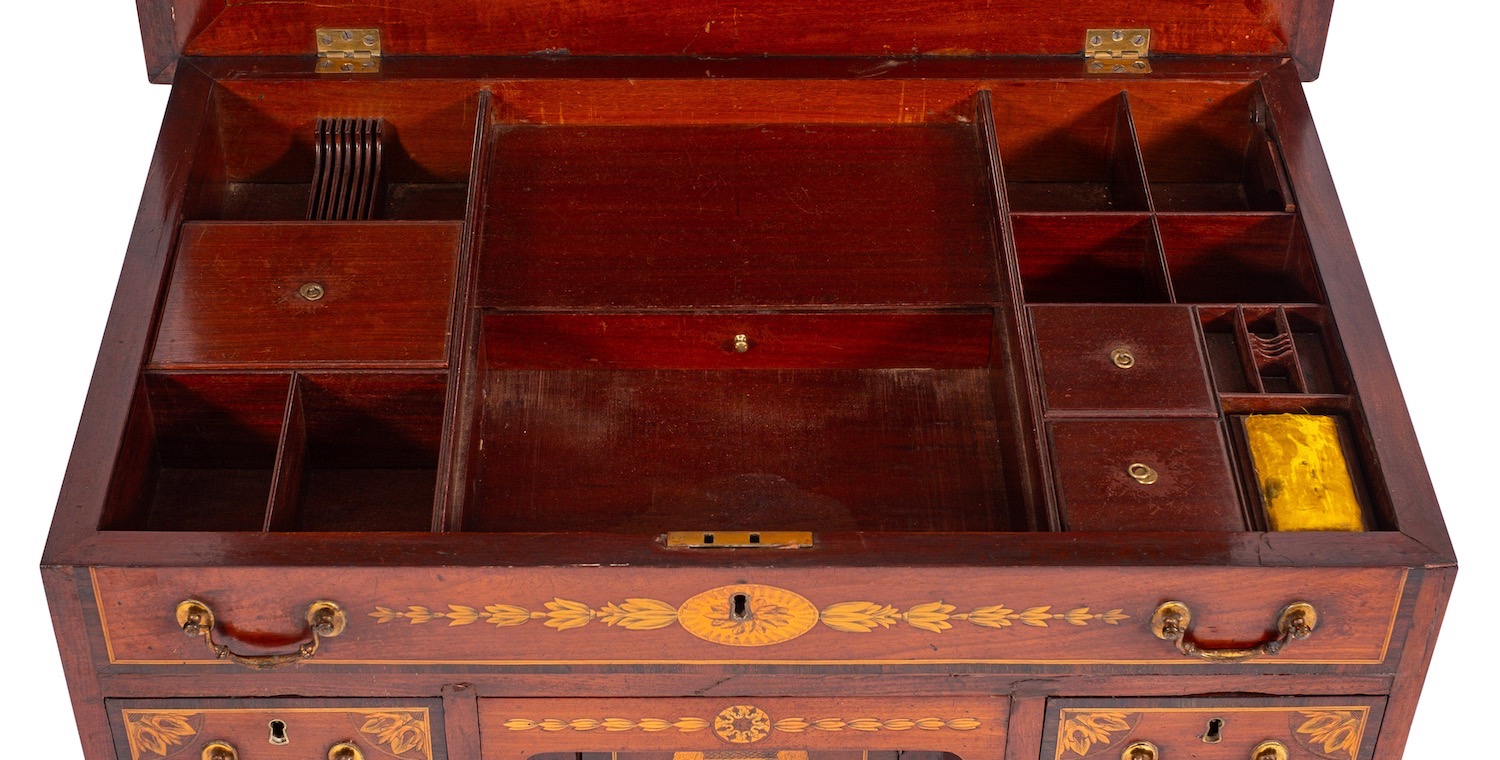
x,y
219,751
325,620
345,751
1141,751
1171,620
1269,750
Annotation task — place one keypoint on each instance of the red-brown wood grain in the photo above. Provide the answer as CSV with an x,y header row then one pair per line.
x,y
680,28
770,215
235,295
1163,373
1227,727
1357,615
1193,487
915,447
972,727
708,341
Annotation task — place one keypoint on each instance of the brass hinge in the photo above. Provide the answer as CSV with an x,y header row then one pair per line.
x,y
1117,51
348,51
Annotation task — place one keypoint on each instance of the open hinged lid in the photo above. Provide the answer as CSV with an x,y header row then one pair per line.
x,y
712,28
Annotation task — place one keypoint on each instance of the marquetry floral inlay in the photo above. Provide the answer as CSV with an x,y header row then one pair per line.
x,y
1081,731
750,615
744,724
1335,732
400,732
157,733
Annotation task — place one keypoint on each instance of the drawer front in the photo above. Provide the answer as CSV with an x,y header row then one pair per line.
x,y
972,728
272,729
1121,360
1331,728
600,616
1127,475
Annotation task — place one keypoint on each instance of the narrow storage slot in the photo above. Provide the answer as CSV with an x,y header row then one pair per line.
x,y
1249,258
656,423
1209,147
267,147
360,453
198,454
775,214
299,294
1269,349
1089,258
1068,148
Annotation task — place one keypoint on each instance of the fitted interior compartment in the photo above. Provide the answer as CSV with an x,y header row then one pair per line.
x,y
199,453
1089,258
612,215
1239,258
824,421
301,294
256,159
1068,146
1209,146
360,453
1270,349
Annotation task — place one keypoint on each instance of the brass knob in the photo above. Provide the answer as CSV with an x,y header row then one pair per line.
x,y
1122,358
345,751
219,751
311,291
741,344
1269,750
1142,473
1140,751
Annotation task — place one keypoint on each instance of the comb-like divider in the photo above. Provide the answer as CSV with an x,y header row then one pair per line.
x,y
346,174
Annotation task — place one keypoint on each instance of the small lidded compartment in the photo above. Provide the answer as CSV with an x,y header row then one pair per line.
x,y
199,453
309,294
1121,360
1144,475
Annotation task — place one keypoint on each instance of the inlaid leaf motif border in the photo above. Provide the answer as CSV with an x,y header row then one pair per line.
x,y
159,733
770,615
1080,732
1332,733
743,724
396,731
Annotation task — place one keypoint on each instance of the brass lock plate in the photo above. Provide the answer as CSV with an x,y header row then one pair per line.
x,y
739,539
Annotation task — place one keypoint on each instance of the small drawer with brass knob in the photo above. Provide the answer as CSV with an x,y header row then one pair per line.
x,y
304,729
1212,728
1121,359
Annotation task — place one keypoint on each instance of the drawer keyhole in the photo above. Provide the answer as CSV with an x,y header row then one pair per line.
x,y
1215,732
739,608
278,733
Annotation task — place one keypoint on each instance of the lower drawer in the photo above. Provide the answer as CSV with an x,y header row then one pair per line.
x,y
771,728
277,729
1227,728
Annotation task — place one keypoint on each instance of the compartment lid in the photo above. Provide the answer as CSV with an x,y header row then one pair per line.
x,y
733,28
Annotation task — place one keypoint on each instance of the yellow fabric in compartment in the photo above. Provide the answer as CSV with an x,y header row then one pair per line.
x,y
1303,477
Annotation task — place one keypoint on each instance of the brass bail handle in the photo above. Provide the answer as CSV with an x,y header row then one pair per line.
x,y
1170,622
1141,751
325,620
